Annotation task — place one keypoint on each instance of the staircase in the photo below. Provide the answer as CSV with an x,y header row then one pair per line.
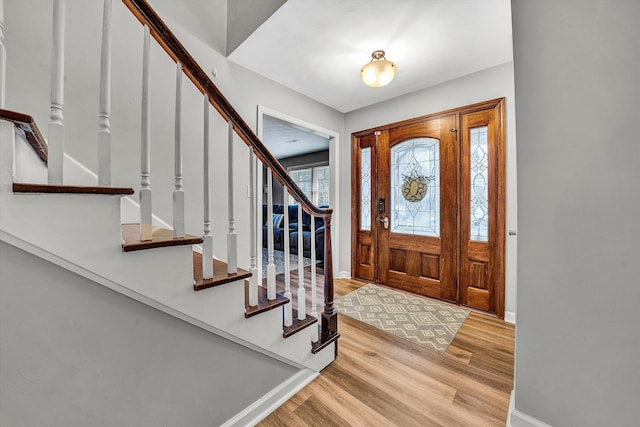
x,y
90,228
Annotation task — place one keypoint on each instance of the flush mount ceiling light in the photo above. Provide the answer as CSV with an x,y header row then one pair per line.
x,y
379,72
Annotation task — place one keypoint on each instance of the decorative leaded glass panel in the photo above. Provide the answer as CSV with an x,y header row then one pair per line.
x,y
415,187
479,185
365,189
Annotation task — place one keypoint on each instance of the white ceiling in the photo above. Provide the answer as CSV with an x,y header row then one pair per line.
x,y
317,47
285,140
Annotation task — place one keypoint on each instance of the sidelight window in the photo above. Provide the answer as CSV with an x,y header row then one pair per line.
x,y
479,164
365,189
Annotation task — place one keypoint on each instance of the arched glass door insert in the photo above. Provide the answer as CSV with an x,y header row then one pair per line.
x,y
415,187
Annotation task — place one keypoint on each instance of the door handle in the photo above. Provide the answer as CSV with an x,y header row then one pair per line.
x,y
384,220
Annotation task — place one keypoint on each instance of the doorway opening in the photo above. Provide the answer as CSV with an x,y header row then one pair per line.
x,y
309,152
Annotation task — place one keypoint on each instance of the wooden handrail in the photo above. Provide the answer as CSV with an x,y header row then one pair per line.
x,y
172,46
27,125
169,42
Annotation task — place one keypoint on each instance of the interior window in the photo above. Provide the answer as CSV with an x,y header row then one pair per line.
x,y
314,183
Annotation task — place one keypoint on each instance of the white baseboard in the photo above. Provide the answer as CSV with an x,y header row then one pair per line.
x,y
344,275
516,418
510,317
271,401
512,405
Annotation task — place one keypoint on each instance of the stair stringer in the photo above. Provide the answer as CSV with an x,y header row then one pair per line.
x,y
82,233
212,306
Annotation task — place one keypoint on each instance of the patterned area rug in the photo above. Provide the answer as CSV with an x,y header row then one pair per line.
x,y
425,322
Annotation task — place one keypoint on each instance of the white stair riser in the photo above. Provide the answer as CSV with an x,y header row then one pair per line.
x,y
84,230
163,275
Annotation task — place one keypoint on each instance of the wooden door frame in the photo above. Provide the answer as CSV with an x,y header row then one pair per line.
x,y
498,105
355,195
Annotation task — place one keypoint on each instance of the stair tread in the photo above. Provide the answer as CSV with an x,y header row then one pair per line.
x,y
298,325
264,304
324,342
28,127
160,237
21,187
220,275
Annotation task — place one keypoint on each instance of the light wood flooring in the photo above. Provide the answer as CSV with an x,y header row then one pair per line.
x,y
382,380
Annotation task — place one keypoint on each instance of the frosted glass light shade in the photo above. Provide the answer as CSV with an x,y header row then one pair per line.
x,y
379,72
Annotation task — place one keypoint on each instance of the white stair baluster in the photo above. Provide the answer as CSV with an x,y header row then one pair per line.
x,y
178,191
3,58
145,154
314,296
56,117
207,244
232,238
302,308
104,113
288,308
253,280
271,268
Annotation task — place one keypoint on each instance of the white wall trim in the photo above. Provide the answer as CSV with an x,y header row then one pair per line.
x,y
271,401
18,242
516,418
334,169
512,404
510,317
344,275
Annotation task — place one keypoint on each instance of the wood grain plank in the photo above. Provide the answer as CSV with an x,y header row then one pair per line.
x,y
160,237
26,125
19,187
220,275
381,379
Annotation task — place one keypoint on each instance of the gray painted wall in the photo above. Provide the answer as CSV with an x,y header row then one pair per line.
x,y
206,20
245,16
577,79
28,81
77,354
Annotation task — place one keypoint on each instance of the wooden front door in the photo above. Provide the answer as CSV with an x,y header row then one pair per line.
x,y
428,206
417,200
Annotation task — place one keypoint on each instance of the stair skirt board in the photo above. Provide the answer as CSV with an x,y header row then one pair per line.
x,y
271,401
314,362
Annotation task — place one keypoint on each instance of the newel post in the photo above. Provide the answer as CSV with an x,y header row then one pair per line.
x,y
329,315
